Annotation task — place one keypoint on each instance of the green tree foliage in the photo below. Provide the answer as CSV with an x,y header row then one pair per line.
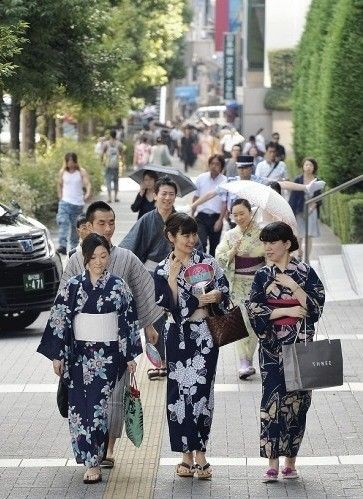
x,y
93,53
328,89
341,95
150,33
281,63
63,50
307,75
11,40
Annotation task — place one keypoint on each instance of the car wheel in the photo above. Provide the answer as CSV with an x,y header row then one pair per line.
x,y
18,320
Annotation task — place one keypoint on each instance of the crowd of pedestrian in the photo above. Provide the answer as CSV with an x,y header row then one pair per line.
x,y
109,293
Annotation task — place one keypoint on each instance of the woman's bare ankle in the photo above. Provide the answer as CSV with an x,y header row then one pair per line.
x,y
273,463
188,457
200,458
290,462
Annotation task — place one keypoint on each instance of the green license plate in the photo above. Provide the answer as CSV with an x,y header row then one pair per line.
x,y
33,282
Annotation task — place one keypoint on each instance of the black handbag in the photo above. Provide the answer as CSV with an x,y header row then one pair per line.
x,y
62,392
62,397
228,327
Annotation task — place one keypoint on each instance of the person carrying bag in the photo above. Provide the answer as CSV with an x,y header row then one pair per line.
x,y
284,293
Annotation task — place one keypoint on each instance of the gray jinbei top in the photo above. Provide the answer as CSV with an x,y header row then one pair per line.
x,y
126,265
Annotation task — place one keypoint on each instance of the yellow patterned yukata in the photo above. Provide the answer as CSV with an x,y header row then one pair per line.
x,y
240,273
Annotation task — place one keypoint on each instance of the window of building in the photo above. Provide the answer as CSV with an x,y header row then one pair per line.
x,y
256,34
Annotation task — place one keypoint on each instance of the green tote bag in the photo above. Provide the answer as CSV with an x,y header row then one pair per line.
x,y
134,421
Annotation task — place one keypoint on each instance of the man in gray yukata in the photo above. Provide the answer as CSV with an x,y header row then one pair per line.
x,y
123,263
147,241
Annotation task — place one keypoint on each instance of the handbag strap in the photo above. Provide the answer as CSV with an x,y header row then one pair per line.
x,y
316,331
325,328
303,323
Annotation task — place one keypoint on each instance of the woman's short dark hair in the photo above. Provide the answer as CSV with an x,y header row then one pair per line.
x,y
313,162
243,202
180,222
219,157
90,243
151,174
279,231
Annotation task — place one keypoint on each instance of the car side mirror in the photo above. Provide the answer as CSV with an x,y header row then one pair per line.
x,y
16,206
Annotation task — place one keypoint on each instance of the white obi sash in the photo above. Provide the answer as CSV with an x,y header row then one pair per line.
x,y
96,327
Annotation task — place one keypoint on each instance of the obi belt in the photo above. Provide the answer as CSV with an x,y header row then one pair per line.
x,y
248,265
96,327
280,303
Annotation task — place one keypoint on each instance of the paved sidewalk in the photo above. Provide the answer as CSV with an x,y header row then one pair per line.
x,y
36,460
334,429
334,432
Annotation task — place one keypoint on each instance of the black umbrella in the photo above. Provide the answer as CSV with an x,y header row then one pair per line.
x,y
184,184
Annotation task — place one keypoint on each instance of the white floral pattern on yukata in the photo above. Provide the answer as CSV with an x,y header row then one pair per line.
x,y
91,367
191,358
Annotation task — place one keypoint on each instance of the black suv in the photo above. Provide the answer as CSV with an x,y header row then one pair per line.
x,y
30,270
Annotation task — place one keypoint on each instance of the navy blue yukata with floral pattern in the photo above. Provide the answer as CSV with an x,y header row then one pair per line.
x,y
91,368
191,357
283,414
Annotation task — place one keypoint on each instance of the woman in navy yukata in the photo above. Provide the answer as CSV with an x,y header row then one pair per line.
x,y
286,299
190,352
92,337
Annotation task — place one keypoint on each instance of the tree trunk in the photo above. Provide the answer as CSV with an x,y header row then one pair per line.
x,y
59,128
92,127
51,129
83,130
14,116
28,132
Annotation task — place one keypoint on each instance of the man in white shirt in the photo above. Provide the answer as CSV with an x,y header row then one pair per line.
x,y
210,214
270,168
230,139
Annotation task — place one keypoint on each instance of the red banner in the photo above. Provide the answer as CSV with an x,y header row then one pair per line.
x,y
221,23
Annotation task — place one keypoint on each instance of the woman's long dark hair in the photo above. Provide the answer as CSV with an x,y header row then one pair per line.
x,y
70,155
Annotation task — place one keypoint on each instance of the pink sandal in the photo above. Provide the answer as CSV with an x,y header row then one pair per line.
x,y
271,475
289,473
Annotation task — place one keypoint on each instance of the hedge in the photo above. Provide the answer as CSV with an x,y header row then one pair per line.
x,y
307,75
33,184
281,63
344,214
328,89
341,96
278,99
356,220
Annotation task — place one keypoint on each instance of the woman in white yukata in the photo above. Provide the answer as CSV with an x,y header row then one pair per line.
x,y
92,337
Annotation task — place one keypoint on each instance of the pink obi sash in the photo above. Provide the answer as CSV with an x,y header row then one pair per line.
x,y
248,265
279,303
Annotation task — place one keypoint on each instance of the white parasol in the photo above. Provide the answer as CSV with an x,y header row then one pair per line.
x,y
262,196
